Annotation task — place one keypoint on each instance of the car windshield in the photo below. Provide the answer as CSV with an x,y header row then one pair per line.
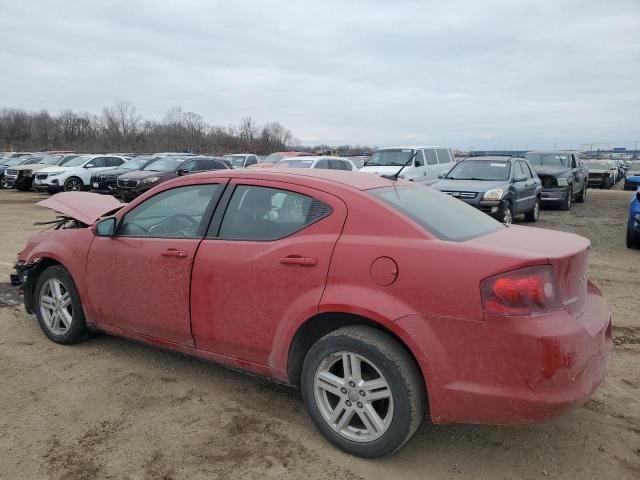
x,y
235,160
443,216
548,159
598,165
13,161
164,164
296,163
274,158
77,161
135,164
390,158
480,170
66,158
49,160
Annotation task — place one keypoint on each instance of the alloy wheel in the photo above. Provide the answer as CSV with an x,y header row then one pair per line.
x,y
72,185
353,396
508,217
536,210
56,307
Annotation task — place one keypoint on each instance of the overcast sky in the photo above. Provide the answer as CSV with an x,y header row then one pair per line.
x,y
459,73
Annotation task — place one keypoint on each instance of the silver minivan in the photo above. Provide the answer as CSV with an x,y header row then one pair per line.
x,y
426,165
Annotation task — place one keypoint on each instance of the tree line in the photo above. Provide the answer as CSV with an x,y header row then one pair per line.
x,y
119,128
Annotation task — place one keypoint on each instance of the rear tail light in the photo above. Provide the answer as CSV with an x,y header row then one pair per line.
x,y
528,291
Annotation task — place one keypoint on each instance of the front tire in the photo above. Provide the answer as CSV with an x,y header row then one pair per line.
x,y
632,241
363,391
582,196
73,184
566,203
533,214
507,214
57,306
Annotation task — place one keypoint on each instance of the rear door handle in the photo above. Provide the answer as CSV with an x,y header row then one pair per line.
x,y
174,252
298,260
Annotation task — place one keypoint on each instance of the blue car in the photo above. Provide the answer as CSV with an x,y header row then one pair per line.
x,y
633,225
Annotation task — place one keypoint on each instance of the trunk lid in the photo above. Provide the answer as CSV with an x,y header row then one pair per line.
x,y
567,253
82,206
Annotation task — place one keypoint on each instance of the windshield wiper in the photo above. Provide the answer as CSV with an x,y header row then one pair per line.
x,y
394,177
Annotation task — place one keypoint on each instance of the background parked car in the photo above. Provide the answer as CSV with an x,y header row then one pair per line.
x,y
502,187
75,174
105,181
331,163
427,163
632,180
241,160
132,184
602,173
22,176
633,223
10,162
564,177
275,157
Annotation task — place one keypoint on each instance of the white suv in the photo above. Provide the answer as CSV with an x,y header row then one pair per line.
x,y
423,164
75,174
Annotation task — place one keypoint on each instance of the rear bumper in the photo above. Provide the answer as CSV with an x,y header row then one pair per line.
x,y
513,371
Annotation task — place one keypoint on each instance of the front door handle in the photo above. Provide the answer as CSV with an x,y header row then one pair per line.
x,y
298,260
174,252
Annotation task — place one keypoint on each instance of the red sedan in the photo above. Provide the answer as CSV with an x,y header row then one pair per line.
x,y
384,301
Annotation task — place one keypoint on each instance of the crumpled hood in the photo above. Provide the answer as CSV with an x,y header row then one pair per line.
x,y
551,171
478,186
83,206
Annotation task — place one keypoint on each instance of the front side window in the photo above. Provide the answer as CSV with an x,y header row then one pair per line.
x,y
419,160
177,212
98,162
440,214
262,213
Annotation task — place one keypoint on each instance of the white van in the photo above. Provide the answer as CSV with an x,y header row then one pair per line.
x,y
426,165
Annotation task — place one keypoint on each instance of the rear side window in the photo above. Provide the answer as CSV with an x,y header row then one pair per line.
x,y
432,159
440,214
262,213
443,155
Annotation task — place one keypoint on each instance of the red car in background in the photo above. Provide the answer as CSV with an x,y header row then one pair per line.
x,y
384,301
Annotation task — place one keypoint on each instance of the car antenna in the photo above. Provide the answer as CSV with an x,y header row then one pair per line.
x,y
394,177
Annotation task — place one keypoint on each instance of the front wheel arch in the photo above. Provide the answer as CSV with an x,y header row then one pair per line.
x,y
38,267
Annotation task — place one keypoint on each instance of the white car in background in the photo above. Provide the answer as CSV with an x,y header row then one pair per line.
x,y
311,161
425,163
75,174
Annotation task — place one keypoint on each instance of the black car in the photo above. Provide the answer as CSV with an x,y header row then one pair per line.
x,y
564,177
106,181
502,187
132,184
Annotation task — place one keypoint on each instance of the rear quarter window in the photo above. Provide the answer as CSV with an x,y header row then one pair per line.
x,y
443,216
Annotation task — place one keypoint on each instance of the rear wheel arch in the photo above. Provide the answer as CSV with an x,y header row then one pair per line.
x,y
322,324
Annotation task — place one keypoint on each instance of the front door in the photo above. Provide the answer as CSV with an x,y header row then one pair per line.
x,y
262,266
139,279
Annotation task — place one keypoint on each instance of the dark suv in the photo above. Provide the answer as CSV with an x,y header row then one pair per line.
x,y
132,184
564,177
499,186
106,181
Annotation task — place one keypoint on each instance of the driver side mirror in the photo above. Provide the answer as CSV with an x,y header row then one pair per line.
x,y
89,165
105,227
442,174
419,163
183,171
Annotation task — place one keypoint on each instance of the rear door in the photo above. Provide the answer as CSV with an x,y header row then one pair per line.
x,y
522,201
263,266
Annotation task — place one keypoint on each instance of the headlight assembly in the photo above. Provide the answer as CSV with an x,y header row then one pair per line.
x,y
495,194
562,182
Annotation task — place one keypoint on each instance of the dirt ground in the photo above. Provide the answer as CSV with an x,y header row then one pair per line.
x,y
110,408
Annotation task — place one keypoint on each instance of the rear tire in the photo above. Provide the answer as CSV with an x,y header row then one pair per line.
x,y
57,306
533,214
566,203
363,391
607,183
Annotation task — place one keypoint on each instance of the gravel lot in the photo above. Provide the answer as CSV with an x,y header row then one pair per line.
x,y
110,408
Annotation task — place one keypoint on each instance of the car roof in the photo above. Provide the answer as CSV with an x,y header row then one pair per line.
x,y
495,158
309,158
314,177
414,147
552,151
